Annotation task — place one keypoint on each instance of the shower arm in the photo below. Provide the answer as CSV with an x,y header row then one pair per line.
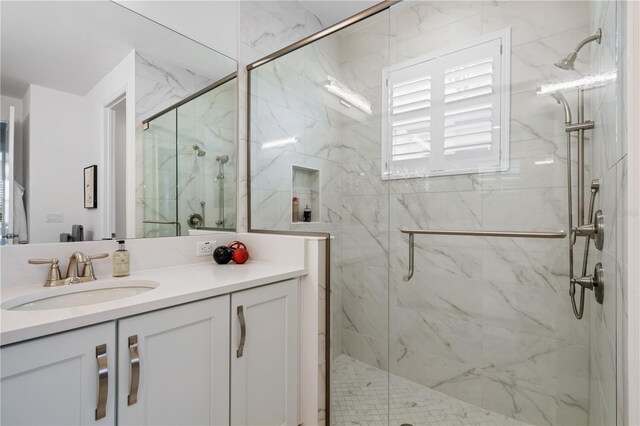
x,y
596,37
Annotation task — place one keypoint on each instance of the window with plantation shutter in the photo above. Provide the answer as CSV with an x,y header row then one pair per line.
x,y
447,113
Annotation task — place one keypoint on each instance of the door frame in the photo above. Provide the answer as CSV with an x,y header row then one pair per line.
x,y
632,397
106,196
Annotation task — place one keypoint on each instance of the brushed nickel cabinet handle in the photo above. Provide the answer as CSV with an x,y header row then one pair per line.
x,y
243,331
103,381
135,370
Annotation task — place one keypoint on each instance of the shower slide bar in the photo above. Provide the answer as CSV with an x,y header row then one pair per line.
x,y
501,234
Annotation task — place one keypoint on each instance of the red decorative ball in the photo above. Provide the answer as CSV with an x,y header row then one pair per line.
x,y
240,252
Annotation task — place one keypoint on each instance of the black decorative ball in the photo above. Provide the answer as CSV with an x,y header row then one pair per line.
x,y
222,255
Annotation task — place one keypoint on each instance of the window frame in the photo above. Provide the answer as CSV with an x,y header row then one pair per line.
x,y
504,36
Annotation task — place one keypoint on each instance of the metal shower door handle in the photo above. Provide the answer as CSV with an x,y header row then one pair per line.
x,y
243,331
103,381
135,370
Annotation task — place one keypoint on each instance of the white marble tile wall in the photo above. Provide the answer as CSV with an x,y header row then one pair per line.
x,y
174,183
470,299
608,327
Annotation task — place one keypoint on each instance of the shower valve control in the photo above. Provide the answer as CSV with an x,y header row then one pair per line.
x,y
593,282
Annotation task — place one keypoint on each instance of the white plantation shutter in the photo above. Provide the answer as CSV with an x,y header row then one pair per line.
x,y
448,113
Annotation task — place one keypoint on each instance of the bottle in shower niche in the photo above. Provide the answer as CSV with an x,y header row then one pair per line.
x,y
295,210
306,214
121,261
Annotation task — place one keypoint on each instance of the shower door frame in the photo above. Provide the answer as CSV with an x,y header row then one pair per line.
x,y
377,8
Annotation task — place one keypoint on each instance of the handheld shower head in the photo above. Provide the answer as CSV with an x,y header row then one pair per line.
x,y
562,100
568,62
223,159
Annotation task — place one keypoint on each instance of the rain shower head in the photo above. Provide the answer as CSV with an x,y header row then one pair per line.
x,y
197,148
568,62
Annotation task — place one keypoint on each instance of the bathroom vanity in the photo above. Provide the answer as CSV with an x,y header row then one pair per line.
x,y
209,344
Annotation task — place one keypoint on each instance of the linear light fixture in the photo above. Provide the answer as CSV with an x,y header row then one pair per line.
x,y
584,82
343,92
280,142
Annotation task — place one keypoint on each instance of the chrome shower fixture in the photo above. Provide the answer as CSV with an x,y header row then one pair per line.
x,y
559,97
197,148
222,159
568,62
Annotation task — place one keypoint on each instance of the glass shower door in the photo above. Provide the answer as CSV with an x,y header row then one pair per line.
x,y
159,204
484,332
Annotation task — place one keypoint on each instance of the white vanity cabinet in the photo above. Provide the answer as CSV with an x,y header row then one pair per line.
x,y
174,365
264,355
231,359
65,379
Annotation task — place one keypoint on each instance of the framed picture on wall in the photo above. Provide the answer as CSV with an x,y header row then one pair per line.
x,y
91,187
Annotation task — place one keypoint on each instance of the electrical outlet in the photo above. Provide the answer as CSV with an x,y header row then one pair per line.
x,y
55,218
205,248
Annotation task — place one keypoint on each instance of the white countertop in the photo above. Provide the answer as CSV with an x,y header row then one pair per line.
x,y
178,285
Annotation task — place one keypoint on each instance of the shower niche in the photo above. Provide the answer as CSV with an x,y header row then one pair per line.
x,y
305,185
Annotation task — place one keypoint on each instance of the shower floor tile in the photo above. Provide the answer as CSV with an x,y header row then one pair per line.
x,y
359,397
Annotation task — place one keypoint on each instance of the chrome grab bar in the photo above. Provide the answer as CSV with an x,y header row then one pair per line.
x,y
159,222
502,234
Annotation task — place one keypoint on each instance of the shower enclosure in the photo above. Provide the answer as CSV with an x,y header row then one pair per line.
x,y
188,155
442,165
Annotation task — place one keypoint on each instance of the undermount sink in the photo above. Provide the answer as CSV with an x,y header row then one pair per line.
x,y
74,295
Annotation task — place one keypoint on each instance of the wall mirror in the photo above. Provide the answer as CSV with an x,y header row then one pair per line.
x,y
112,126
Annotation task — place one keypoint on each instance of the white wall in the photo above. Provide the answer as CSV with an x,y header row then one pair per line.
x,y
18,165
66,134
121,80
57,142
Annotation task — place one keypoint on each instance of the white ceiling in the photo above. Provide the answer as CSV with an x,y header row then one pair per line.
x,y
71,45
333,11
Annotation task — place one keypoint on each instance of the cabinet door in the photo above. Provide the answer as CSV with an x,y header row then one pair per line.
x,y
264,370
179,360
65,379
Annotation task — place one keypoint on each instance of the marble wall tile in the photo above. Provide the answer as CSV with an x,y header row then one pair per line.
x,y
417,18
457,32
622,321
366,281
531,63
448,297
364,316
538,209
531,403
370,350
535,359
437,372
272,122
458,340
536,117
533,20
366,37
160,84
269,26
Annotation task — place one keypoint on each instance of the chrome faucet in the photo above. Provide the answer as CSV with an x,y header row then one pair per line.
x,y
74,274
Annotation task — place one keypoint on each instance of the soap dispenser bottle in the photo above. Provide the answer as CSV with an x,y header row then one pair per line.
x,y
121,261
